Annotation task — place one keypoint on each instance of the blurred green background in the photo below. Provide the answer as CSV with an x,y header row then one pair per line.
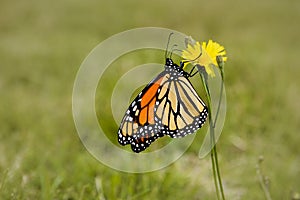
x,y
42,44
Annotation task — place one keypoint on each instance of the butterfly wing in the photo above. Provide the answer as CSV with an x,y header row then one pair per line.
x,y
138,126
180,111
168,105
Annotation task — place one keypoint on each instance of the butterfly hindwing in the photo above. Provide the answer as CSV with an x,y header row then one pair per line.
x,y
138,126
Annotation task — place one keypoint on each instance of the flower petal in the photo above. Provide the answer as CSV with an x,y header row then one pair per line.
x,y
208,51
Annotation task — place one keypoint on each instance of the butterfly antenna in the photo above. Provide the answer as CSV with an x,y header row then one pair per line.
x,y
166,52
173,49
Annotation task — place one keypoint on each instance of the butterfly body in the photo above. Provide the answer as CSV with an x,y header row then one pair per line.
x,y
168,105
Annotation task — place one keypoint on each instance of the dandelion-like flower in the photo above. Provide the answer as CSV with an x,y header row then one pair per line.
x,y
204,54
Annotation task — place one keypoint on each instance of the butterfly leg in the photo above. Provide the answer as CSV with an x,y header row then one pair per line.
x,y
191,74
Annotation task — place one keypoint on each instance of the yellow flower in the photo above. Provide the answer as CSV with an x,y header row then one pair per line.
x,y
204,54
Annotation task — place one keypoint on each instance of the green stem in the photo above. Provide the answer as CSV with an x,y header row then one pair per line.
x,y
218,172
215,146
214,162
214,154
219,104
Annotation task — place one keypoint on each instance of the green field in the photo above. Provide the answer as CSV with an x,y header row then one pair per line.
x,y
42,45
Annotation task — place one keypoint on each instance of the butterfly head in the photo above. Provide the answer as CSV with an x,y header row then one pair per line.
x,y
169,62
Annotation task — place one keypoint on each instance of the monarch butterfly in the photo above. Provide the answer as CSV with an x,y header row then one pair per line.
x,y
168,105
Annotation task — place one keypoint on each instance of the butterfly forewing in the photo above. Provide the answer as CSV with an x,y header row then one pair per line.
x,y
188,114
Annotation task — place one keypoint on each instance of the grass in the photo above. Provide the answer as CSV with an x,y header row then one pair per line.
x,y
42,45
